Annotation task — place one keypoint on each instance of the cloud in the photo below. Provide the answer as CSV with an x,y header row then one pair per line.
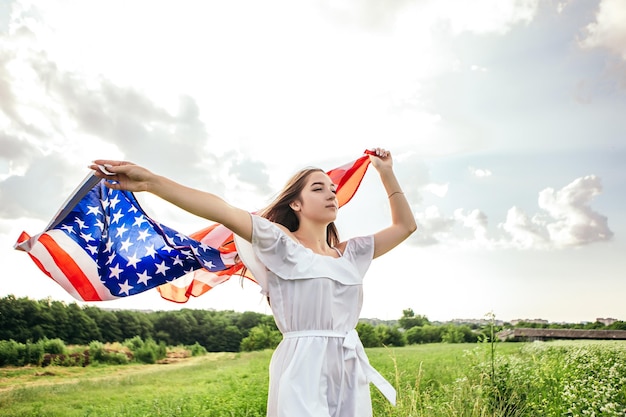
x,y
486,16
479,172
572,222
460,229
54,121
440,190
433,227
37,193
523,231
476,221
609,29
567,219
479,16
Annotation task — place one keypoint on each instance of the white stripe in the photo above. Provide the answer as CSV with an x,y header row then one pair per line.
x,y
39,252
84,262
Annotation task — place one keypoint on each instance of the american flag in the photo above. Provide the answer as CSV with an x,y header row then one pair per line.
x,y
105,247
101,245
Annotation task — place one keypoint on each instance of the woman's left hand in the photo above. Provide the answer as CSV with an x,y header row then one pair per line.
x,y
381,158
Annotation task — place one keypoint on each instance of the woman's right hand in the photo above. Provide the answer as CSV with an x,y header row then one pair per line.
x,y
126,175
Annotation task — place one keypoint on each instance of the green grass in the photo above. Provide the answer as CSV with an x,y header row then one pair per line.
x,y
524,379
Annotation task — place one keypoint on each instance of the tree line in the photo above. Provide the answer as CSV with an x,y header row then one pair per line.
x,y
26,320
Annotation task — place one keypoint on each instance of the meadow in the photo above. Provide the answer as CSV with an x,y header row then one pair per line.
x,y
569,378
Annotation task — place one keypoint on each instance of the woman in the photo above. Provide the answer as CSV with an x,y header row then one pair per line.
x,y
313,281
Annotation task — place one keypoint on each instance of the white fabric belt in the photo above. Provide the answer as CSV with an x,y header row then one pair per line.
x,y
353,348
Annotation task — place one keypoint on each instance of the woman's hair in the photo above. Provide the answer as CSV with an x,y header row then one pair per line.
x,y
280,211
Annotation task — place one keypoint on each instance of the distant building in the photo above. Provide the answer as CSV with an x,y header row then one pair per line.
x,y
552,334
606,322
534,321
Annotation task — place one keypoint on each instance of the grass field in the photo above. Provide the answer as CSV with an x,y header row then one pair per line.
x,y
531,379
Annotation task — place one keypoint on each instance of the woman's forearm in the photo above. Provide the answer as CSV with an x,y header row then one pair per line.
x,y
401,214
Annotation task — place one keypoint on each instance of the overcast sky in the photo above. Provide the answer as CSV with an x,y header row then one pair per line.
x,y
506,119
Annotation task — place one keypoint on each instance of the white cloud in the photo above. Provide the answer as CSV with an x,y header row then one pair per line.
x,y
433,226
609,29
523,231
572,221
567,220
440,190
485,16
480,172
476,221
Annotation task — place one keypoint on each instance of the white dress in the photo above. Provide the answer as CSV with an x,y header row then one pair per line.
x,y
320,368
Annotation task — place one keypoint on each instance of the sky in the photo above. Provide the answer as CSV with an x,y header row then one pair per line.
x,y
506,120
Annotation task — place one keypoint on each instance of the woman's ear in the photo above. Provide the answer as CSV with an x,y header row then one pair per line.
x,y
295,205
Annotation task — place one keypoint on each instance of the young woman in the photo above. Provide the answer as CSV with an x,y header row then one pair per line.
x,y
313,281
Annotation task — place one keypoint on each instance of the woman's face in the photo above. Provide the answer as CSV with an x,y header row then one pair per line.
x,y
318,201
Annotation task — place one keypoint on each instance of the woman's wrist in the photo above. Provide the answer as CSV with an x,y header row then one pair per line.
x,y
395,193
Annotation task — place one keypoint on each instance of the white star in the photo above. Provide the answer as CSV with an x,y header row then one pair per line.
x,y
126,244
93,210
117,216
181,236
114,202
68,228
133,261
116,271
144,278
161,268
99,224
125,288
132,209
143,234
92,249
110,260
121,230
108,246
81,224
178,261
105,203
208,264
150,251
139,220
204,246
87,237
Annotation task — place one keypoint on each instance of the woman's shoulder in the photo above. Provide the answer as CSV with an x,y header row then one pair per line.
x,y
357,245
265,226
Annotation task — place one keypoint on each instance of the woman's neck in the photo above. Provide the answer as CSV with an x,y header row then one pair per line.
x,y
313,238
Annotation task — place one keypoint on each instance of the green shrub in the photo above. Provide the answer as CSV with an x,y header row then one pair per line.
x,y
55,346
148,351
32,353
99,354
9,353
197,349
134,343
145,354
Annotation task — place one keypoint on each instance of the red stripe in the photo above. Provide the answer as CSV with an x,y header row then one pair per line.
x,y
70,269
348,179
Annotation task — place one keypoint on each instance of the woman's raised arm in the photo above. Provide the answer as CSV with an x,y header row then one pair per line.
x,y
402,219
134,178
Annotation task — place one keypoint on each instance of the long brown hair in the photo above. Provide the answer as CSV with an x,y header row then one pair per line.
x,y
280,212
